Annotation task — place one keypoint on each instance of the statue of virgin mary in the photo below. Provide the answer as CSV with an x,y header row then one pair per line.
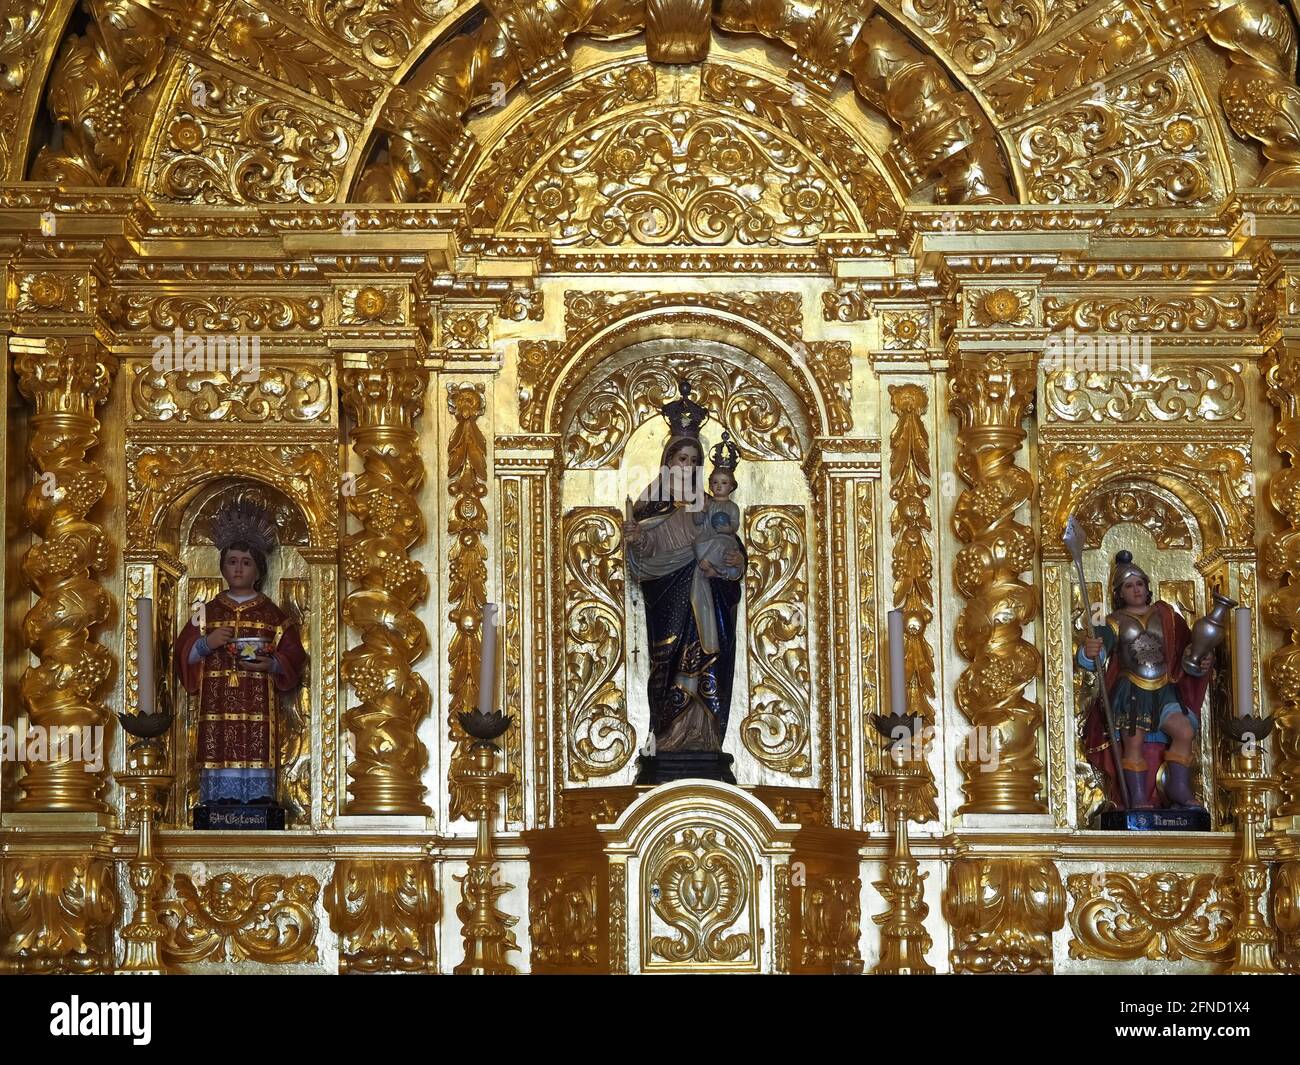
x,y
690,617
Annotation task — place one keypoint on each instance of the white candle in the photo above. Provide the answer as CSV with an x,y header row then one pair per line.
x,y
1245,663
487,674
627,508
897,677
144,655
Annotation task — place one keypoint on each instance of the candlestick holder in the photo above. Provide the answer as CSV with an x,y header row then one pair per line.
x,y
904,939
146,782
1254,937
484,928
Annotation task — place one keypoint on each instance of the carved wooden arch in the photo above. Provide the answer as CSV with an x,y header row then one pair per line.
x,y
628,388
607,119
166,478
1203,483
817,373
328,76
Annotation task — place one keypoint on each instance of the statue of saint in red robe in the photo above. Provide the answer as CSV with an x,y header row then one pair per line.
x,y
242,652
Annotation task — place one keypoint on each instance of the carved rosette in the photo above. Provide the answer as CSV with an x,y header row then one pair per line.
x,y
384,401
269,919
385,914
58,914
1164,915
1003,912
777,726
467,524
990,395
912,564
600,738
64,380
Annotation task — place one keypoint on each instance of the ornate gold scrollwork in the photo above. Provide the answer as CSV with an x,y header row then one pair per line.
x,y
1163,915
288,394
942,133
700,882
384,401
1280,561
990,395
777,726
385,913
58,914
65,380
564,927
269,919
613,409
1168,392
1259,93
467,524
832,921
600,738
226,142
101,94
1143,142
912,565
1003,912
1214,481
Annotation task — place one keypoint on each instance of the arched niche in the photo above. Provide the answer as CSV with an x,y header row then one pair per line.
x,y
181,564
1173,533
611,440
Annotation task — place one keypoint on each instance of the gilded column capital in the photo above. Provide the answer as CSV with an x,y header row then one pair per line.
x,y
62,375
388,393
991,393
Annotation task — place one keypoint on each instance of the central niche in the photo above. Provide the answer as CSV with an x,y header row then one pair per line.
x,y
612,439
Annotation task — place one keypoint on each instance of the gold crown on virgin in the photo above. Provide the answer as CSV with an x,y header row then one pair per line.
x,y
244,521
726,456
684,415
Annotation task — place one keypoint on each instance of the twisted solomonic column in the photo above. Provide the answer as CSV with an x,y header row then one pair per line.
x,y
65,379
990,394
384,400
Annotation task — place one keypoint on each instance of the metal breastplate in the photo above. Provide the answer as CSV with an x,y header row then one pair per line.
x,y
1141,649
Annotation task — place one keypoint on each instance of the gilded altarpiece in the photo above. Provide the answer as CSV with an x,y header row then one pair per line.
x,y
945,280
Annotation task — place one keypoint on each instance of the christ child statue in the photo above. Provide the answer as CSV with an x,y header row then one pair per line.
x,y
719,522
236,654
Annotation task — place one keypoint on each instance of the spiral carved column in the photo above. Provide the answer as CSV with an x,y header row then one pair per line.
x,y
990,394
1280,560
384,400
64,379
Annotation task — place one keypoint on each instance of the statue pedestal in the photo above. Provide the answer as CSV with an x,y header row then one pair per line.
x,y
685,765
694,876
239,818
1154,821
